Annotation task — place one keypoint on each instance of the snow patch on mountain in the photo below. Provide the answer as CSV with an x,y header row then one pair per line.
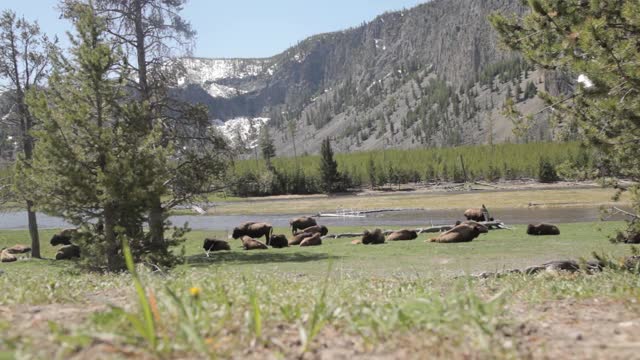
x,y
242,131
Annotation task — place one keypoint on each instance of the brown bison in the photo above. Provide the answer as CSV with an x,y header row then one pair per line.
x,y
296,240
315,229
18,249
215,245
279,241
402,235
302,222
249,243
313,240
477,214
542,229
63,237
483,229
68,252
253,230
460,233
375,237
6,256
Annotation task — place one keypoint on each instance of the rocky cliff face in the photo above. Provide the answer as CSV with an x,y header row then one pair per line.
x,y
432,75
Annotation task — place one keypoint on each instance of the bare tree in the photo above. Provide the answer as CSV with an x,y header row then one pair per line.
x,y
23,67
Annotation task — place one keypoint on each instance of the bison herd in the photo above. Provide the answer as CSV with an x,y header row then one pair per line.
x,y
305,231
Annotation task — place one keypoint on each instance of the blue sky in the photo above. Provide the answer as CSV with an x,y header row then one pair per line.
x,y
243,28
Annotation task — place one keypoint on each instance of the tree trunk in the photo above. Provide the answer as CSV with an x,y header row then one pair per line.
x,y
114,262
156,223
33,230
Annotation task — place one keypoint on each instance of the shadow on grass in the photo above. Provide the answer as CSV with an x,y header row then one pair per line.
x,y
254,257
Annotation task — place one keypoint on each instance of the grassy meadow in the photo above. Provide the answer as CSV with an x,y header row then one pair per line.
x,y
338,300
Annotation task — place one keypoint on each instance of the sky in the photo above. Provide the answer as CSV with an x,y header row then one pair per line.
x,y
242,28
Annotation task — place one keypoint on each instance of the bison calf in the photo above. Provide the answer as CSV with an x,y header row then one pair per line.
x,y
542,229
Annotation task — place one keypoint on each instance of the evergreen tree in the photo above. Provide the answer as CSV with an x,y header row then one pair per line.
x,y
330,176
371,170
23,68
266,145
92,162
596,42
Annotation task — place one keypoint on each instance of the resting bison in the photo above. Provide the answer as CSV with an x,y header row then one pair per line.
x,y
215,245
279,241
18,249
254,230
6,256
460,233
375,237
402,235
315,229
296,240
63,237
483,229
68,252
249,243
302,222
633,238
543,229
313,240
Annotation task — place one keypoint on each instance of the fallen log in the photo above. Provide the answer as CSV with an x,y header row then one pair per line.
x,y
494,225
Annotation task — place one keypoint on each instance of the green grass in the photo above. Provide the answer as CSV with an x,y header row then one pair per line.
x,y
282,303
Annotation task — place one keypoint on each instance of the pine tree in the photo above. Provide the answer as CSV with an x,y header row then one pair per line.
x,y
23,68
329,168
92,162
596,42
266,146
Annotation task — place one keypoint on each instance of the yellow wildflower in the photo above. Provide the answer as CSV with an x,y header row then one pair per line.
x,y
195,291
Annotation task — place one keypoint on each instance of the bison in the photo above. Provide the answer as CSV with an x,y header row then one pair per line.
x,y
68,252
63,237
478,214
215,245
460,233
279,241
483,229
6,256
302,222
315,229
542,229
402,235
375,237
249,243
296,240
253,230
313,240
18,249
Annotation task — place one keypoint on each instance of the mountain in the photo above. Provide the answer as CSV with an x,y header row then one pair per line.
x,y
432,75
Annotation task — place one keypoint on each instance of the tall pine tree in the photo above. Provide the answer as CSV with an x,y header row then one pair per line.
x,y
331,179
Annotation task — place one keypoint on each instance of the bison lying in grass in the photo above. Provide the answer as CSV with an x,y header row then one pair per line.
x,y
249,243
313,240
68,252
321,229
542,229
296,240
460,233
279,241
215,245
374,238
402,235
6,256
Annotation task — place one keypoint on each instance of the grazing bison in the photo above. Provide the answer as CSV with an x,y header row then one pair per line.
x,y
542,229
402,235
296,240
302,222
215,245
6,256
313,240
68,252
63,237
279,241
18,249
254,230
375,237
315,229
460,233
249,243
